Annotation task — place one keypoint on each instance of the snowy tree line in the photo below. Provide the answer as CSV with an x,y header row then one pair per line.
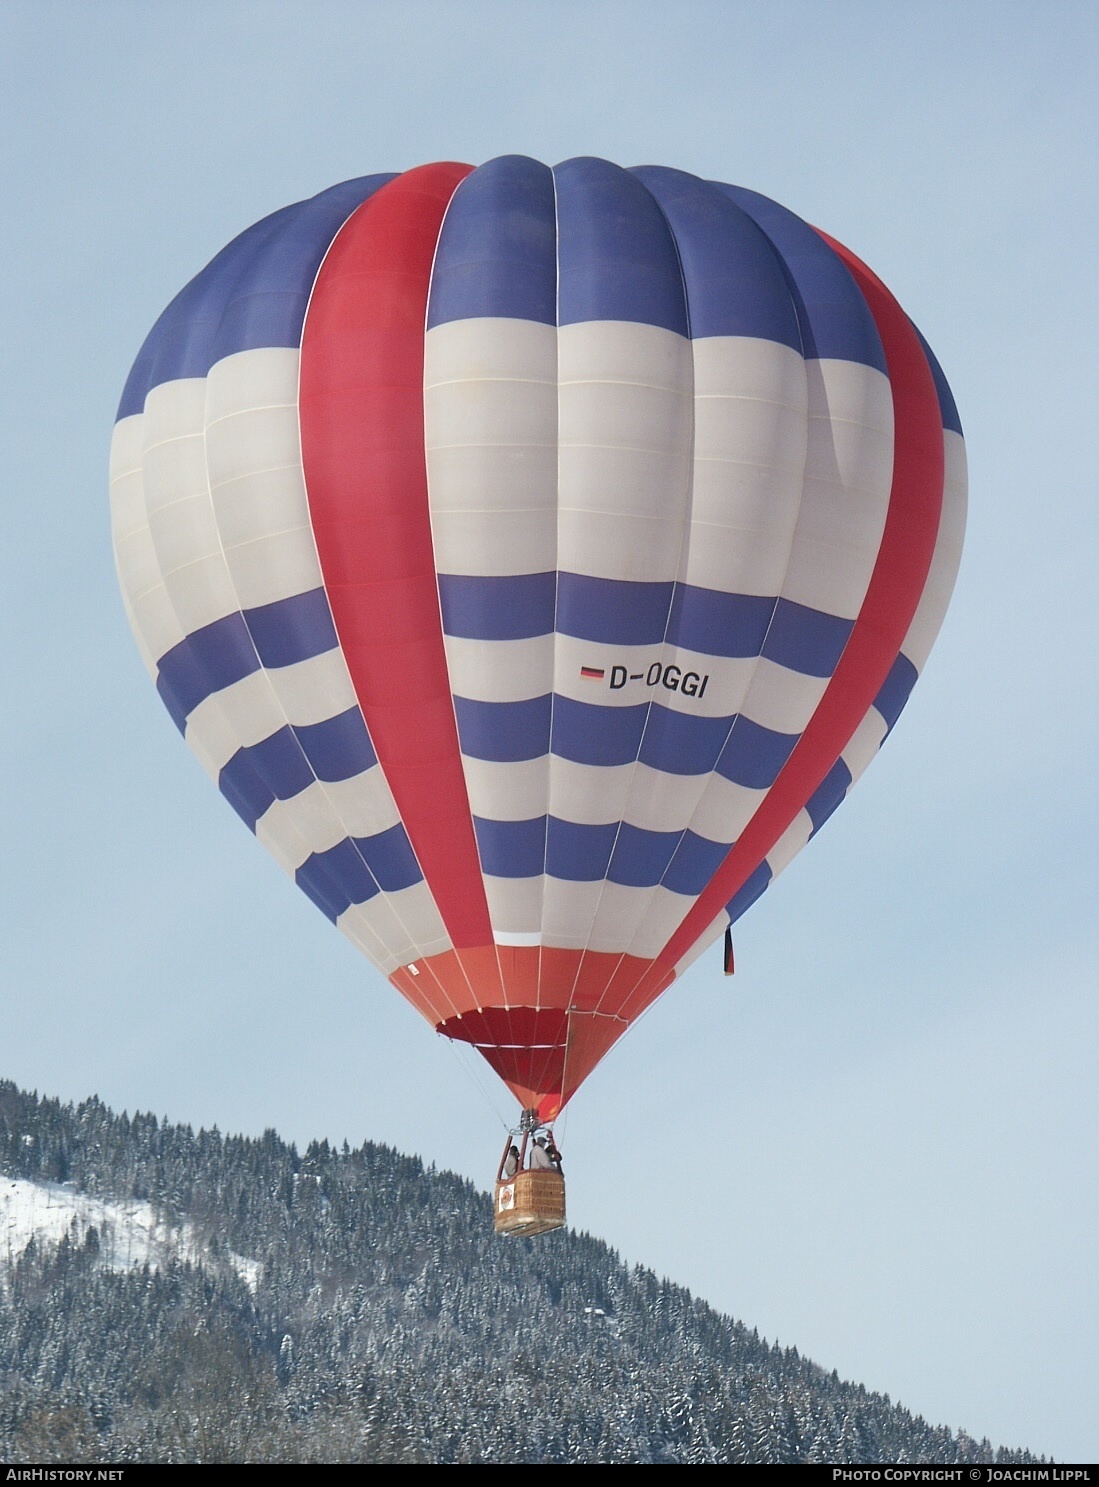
x,y
387,1324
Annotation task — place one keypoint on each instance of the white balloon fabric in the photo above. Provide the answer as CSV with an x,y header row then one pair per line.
x,y
535,557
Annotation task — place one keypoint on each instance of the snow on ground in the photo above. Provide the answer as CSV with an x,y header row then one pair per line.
x,y
130,1234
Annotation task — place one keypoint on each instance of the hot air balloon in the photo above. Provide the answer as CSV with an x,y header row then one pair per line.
x,y
535,557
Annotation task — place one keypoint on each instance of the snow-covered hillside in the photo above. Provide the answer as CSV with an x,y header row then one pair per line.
x,y
130,1234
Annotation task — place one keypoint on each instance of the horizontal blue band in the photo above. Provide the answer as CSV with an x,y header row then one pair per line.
x,y
289,760
588,733
505,608
253,293
616,256
292,630
828,795
611,611
745,897
497,251
618,852
229,649
896,690
504,732
754,755
806,640
356,869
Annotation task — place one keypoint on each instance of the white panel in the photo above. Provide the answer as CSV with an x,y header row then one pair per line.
x,y
201,593
515,908
259,503
663,915
254,440
311,691
174,471
612,542
662,802
489,414
748,559
265,377
589,794
781,699
500,670
490,347
790,843
185,532
514,791
931,609
274,567
127,446
155,619
724,809
128,502
567,912
621,910
848,476
864,743
495,543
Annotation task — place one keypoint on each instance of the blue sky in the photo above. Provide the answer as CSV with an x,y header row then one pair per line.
x,y
877,1141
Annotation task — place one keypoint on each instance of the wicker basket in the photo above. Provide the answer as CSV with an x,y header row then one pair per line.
x,y
530,1203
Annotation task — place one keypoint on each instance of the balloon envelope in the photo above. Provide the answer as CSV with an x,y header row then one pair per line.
x,y
534,558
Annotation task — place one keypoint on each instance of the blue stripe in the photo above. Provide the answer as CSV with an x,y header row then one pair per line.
x,y
497,251
579,853
694,864
338,748
292,630
717,624
616,257
947,406
594,734
504,732
587,733
679,743
735,282
511,849
896,690
229,649
754,755
746,896
354,870
206,661
806,640
834,318
508,608
828,795
611,611
253,293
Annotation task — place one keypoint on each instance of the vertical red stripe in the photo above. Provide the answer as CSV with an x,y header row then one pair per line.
x,y
900,573
362,432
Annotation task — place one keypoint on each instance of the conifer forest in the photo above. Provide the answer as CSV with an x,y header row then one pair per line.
x,y
352,1306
